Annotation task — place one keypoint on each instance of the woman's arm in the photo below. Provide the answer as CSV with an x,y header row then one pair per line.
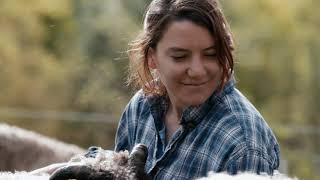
x,y
253,160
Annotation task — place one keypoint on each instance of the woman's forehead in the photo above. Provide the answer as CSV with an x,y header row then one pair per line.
x,y
181,35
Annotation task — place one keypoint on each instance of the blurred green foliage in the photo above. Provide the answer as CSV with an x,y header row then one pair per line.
x,y
69,55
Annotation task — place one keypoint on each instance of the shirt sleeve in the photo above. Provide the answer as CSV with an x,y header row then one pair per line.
x,y
253,160
122,135
124,139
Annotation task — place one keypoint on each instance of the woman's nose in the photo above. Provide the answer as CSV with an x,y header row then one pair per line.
x,y
196,68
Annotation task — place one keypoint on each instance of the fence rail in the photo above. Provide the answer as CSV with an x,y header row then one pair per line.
x,y
107,118
57,115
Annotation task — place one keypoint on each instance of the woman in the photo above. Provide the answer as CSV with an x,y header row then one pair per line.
x,y
188,111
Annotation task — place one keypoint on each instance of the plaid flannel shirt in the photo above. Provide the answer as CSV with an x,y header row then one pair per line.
x,y
224,134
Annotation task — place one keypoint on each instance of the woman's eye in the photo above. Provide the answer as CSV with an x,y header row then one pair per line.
x,y
178,57
211,55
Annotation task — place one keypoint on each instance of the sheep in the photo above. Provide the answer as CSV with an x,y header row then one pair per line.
x,y
107,165
25,150
102,167
245,176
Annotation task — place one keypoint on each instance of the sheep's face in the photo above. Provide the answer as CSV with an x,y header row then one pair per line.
x,y
107,166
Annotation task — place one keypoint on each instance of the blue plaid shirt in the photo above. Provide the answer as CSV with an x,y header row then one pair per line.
x,y
225,133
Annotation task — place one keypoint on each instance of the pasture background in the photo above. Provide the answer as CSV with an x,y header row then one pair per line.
x,y
63,67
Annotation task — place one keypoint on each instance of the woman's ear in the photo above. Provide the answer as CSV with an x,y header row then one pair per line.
x,y
152,59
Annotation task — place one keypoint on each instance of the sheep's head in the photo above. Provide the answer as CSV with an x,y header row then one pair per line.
x,y
121,166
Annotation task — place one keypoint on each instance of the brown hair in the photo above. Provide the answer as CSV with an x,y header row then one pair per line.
x,y
160,13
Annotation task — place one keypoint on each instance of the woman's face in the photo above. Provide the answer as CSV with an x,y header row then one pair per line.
x,y
186,62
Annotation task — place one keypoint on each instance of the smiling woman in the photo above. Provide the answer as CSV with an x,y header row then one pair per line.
x,y
186,63
188,111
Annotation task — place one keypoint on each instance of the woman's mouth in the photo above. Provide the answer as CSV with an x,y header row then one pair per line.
x,y
195,84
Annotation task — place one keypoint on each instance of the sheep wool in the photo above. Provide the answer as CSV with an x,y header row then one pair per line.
x,y
115,163
24,150
108,165
106,160
22,176
212,176
245,176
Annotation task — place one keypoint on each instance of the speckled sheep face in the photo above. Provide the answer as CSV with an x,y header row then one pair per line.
x,y
107,165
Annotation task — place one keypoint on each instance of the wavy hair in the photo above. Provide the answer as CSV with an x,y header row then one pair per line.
x,y
159,14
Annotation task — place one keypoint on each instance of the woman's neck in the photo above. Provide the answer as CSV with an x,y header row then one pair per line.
x,y
172,121
175,108
174,112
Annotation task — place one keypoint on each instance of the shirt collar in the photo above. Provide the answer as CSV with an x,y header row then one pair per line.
x,y
193,115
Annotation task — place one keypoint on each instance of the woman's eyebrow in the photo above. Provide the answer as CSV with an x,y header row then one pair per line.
x,y
213,47
177,49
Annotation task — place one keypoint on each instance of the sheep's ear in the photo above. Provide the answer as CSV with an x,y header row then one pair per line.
x,y
138,158
138,155
80,172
